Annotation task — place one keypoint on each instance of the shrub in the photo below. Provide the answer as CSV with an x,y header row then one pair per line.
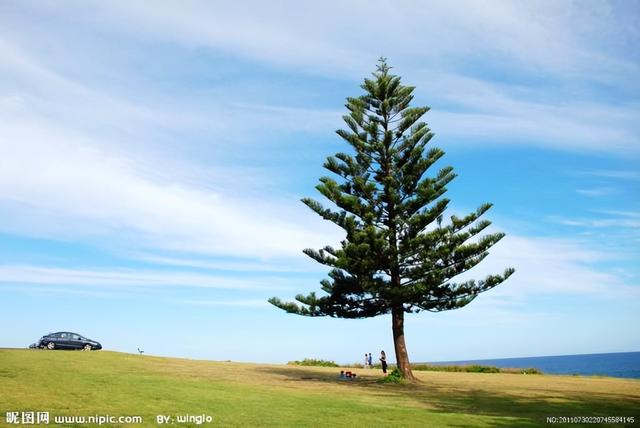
x,y
313,362
474,368
394,377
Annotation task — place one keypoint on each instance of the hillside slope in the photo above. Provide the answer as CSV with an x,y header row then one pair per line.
x,y
234,394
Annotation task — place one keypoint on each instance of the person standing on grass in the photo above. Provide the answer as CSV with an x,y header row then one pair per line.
x,y
366,361
383,361
370,361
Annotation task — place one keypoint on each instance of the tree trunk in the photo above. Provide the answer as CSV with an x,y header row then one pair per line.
x,y
402,357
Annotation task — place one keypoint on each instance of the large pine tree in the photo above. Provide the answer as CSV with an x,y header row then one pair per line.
x,y
398,257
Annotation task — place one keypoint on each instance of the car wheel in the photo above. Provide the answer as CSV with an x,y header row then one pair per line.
x,y
51,345
87,347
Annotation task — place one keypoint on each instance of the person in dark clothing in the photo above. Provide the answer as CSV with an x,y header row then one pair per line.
x,y
383,361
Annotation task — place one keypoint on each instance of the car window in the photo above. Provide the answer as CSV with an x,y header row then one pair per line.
x,y
63,336
76,337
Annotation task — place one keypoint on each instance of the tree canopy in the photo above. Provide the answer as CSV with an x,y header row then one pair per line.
x,y
398,255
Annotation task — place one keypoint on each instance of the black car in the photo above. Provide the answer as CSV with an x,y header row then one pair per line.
x,y
67,340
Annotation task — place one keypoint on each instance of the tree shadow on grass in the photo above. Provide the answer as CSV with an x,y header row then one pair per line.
x,y
520,410
300,373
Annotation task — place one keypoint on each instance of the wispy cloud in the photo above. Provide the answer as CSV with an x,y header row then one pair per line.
x,y
629,221
557,37
617,174
288,266
552,266
233,303
544,266
59,184
597,191
628,214
561,42
127,278
49,290
511,114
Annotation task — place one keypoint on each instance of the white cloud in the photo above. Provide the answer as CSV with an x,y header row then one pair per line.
x,y
628,214
237,266
143,123
558,38
507,114
65,174
41,90
321,36
59,184
616,174
48,290
597,191
629,221
127,278
561,132
544,266
428,42
234,303
551,266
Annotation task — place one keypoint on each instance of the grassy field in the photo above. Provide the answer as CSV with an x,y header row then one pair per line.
x,y
234,394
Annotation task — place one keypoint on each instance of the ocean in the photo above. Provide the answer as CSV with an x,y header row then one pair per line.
x,y
619,364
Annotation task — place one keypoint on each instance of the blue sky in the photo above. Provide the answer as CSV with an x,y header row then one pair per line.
x,y
153,158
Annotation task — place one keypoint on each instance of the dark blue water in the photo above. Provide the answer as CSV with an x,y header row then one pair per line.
x,y
620,364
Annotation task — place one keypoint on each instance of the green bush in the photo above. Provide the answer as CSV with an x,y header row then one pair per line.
x,y
313,362
394,377
474,368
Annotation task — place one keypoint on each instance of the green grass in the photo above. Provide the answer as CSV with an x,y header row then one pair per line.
x,y
234,394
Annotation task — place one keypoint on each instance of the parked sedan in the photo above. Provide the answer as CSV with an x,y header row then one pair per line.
x,y
67,340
